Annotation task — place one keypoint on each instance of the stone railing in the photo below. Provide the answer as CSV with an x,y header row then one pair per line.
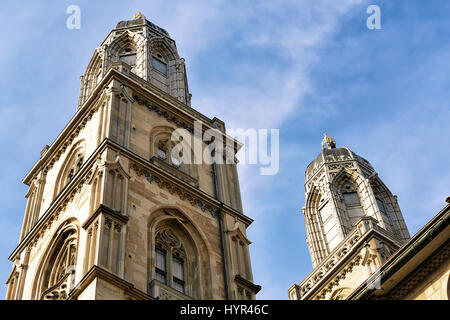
x,y
160,291
363,226
174,171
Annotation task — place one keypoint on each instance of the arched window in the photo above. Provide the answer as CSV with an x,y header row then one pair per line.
x,y
169,260
71,166
124,49
350,200
179,258
75,167
58,274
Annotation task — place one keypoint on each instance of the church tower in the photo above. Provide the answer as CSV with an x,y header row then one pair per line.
x,y
353,223
116,209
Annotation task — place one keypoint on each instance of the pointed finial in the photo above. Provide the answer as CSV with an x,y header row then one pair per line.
x,y
328,142
137,16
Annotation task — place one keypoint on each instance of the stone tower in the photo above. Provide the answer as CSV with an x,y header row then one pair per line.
x,y
115,209
353,223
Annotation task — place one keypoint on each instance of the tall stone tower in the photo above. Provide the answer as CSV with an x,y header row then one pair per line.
x,y
353,223
114,209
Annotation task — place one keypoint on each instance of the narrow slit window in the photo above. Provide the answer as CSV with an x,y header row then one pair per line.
x,y
381,206
178,274
161,272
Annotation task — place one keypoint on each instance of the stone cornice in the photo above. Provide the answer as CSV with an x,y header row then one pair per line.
x,y
104,209
174,171
247,284
419,275
175,185
101,273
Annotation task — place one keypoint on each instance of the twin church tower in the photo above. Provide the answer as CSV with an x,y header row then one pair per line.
x,y
114,213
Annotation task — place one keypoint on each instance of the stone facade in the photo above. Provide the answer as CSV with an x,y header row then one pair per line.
x,y
419,270
110,213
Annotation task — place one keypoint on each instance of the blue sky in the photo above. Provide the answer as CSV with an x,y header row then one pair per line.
x,y
304,67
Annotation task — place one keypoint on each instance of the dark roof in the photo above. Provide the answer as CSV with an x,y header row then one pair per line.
x,y
420,241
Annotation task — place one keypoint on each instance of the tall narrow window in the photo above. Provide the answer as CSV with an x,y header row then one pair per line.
x,y
170,258
159,65
381,206
178,274
161,270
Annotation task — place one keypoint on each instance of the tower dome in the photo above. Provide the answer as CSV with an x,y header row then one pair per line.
x,y
341,187
138,48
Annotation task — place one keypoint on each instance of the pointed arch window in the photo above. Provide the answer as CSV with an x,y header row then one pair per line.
x,y
70,168
75,167
170,256
59,272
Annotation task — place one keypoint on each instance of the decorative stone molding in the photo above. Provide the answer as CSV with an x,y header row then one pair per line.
x,y
97,272
160,291
245,289
174,171
68,198
162,112
60,291
419,275
173,189
340,253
